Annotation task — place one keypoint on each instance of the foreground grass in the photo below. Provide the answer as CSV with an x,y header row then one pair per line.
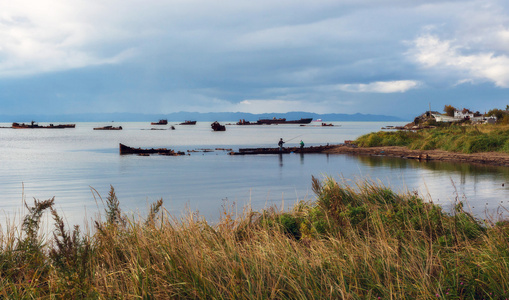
x,y
455,138
351,243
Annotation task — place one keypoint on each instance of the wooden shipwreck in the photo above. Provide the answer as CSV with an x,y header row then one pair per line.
x,y
34,125
188,122
311,149
162,151
109,127
284,121
160,122
217,127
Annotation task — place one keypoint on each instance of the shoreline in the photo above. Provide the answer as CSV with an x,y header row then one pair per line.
x,y
485,158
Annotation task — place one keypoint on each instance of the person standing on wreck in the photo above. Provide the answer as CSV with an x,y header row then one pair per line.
x,y
280,144
301,145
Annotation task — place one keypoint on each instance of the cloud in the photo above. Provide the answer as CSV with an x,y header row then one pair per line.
x,y
40,37
398,86
202,55
297,36
276,106
286,105
431,52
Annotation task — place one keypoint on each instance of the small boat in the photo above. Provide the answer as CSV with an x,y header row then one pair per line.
x,y
284,121
325,124
109,127
188,123
34,125
161,122
162,151
218,127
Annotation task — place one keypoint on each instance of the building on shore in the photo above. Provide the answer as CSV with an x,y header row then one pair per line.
x,y
464,115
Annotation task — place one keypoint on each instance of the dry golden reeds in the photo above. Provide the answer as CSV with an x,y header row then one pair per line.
x,y
351,243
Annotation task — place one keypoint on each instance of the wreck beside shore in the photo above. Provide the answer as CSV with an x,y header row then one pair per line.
x,y
485,158
286,150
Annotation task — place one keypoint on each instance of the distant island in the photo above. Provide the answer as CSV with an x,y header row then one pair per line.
x,y
200,117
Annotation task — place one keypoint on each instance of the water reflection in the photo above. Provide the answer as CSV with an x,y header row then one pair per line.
x,y
465,169
483,188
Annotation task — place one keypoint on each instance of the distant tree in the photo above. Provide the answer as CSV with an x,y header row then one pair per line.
x,y
449,110
500,114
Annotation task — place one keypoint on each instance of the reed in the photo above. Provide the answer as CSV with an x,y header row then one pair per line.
x,y
455,138
353,242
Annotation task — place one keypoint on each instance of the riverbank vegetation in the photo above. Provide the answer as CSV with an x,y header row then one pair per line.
x,y
352,242
448,137
465,134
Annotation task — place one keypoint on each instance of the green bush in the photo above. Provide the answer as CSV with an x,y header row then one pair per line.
x,y
483,143
291,225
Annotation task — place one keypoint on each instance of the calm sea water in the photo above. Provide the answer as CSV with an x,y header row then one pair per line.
x,y
78,166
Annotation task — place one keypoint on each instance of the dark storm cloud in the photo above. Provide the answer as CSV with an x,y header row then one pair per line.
x,y
390,57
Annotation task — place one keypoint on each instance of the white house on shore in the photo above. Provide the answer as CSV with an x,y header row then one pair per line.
x,y
444,118
464,115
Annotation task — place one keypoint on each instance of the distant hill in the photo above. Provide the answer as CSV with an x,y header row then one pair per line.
x,y
200,117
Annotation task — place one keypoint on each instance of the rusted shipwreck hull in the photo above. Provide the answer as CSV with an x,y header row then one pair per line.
x,y
312,149
217,127
108,128
162,151
160,122
187,122
33,125
284,121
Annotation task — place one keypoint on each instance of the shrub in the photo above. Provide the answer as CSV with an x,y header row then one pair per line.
x,y
291,225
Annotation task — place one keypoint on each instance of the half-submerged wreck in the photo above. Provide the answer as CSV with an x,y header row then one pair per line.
x,y
275,121
218,127
188,123
162,151
109,127
160,122
311,149
34,125
244,122
284,121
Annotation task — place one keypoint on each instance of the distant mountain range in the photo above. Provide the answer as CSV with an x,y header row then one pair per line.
x,y
195,116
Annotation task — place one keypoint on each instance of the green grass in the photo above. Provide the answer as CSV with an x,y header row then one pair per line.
x,y
352,242
454,138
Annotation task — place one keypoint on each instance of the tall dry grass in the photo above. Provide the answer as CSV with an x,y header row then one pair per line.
x,y
352,242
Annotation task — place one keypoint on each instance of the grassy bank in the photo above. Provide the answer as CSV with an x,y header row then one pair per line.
x,y
353,242
455,138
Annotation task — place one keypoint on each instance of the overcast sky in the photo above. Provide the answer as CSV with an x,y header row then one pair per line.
x,y
391,57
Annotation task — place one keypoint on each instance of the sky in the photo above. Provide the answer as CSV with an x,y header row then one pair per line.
x,y
390,57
